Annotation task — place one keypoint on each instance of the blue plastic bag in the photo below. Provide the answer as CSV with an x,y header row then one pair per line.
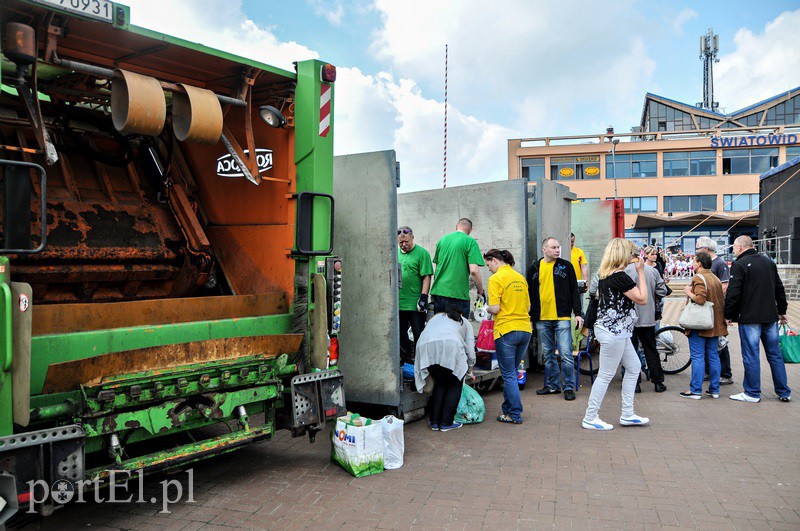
x,y
408,371
470,408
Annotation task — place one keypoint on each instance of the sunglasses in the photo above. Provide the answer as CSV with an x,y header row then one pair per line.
x,y
404,231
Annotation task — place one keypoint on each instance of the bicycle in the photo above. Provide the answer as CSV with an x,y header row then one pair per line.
x,y
671,343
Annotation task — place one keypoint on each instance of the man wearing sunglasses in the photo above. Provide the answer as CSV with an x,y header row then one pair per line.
x,y
457,259
417,270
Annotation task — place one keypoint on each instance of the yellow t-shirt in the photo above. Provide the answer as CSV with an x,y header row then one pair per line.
x,y
578,258
509,289
547,293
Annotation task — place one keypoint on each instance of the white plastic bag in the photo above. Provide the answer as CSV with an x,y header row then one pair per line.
x,y
357,445
393,445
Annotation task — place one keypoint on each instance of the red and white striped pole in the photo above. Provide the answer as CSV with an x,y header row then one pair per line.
x,y
445,118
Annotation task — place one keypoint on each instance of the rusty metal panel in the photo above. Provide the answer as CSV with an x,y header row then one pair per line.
x,y
72,374
61,319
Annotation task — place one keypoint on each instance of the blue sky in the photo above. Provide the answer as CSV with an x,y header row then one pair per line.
x,y
518,68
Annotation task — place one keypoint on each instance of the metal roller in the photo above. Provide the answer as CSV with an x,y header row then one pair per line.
x,y
137,103
196,115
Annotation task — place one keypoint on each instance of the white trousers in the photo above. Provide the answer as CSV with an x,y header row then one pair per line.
x,y
614,349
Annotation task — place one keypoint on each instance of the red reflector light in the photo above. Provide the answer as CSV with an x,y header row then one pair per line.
x,y
334,351
328,74
25,497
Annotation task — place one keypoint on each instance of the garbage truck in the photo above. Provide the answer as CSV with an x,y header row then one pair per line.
x,y
167,281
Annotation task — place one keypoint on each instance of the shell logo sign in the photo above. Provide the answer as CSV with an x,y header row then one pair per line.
x,y
566,172
591,171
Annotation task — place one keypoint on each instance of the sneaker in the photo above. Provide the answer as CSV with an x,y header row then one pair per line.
x,y
569,394
638,388
634,420
434,427
596,424
453,426
547,391
785,398
660,387
689,394
712,395
743,397
726,381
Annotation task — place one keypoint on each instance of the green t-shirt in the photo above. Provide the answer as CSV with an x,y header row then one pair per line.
x,y
454,253
416,264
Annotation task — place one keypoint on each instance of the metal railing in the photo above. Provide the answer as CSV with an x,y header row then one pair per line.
x,y
778,248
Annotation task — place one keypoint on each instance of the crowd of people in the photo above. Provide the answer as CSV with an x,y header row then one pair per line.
x,y
625,302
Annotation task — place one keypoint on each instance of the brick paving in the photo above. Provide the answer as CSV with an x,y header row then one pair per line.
x,y
711,464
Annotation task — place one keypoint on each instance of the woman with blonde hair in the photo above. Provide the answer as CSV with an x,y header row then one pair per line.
x,y
616,314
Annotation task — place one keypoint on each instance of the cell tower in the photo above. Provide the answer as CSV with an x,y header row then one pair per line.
x,y
709,47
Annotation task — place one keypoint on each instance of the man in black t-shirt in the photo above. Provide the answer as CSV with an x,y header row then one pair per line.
x,y
720,269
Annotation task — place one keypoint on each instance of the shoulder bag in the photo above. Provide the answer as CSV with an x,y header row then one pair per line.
x,y
698,316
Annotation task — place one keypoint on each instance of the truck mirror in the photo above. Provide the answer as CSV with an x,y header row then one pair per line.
x,y
314,208
16,216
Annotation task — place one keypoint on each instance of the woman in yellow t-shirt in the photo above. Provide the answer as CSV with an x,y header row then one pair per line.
x,y
510,304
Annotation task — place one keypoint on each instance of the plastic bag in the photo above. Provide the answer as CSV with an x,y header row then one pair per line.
x,y
470,408
393,445
790,345
485,339
357,445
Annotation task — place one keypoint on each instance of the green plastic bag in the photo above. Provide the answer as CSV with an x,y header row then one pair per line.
x,y
790,345
470,408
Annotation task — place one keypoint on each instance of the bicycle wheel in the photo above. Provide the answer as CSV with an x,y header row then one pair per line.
x,y
673,349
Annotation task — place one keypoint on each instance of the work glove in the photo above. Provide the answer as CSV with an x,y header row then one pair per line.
x,y
422,303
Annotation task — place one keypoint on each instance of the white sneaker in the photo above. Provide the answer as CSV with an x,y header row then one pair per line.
x,y
596,424
634,420
742,397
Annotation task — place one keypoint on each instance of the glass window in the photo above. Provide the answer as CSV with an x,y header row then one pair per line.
x,y
634,205
533,168
792,152
589,199
664,118
737,161
690,203
586,167
740,203
683,163
784,113
631,166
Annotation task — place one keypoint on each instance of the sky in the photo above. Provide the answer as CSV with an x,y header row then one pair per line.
x,y
516,68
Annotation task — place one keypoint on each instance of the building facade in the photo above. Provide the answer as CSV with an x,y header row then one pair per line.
x,y
684,172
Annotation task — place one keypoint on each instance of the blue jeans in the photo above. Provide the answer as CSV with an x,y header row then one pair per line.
x,y
704,350
550,334
510,349
749,335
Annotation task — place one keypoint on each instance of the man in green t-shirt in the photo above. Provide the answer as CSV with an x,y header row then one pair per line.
x,y
417,271
457,259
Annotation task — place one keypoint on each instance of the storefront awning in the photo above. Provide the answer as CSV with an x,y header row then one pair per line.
x,y
650,221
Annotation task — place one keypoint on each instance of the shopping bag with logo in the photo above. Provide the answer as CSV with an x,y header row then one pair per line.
x,y
393,444
357,445
790,344
470,408
485,339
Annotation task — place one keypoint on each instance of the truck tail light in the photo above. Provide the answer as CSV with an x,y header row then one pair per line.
x,y
328,73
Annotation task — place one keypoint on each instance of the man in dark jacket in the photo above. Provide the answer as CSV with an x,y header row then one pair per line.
x,y
553,290
757,301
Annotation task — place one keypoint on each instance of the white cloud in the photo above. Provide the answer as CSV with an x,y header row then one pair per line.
x,y
220,24
682,18
762,64
331,10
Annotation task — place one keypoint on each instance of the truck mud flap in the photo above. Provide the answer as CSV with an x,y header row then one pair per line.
x,y
317,397
50,455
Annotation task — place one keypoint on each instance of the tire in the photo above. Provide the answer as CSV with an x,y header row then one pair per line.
x,y
673,349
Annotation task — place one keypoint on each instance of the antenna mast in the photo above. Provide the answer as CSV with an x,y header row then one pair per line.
x,y
709,48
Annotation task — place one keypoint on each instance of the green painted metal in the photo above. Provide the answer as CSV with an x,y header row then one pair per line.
x,y
313,153
6,390
57,348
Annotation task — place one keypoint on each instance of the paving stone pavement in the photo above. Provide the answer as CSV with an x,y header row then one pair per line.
x,y
710,464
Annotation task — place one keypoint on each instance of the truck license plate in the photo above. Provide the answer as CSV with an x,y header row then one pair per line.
x,y
98,9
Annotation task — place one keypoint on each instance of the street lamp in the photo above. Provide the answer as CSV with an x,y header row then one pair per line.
x,y
614,163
